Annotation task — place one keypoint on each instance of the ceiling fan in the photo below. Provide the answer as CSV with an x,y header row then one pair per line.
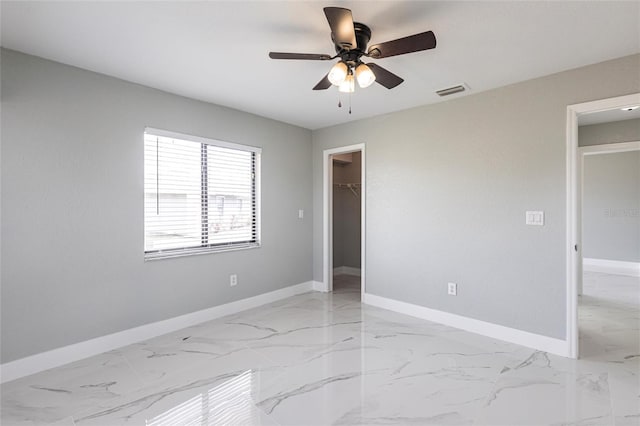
x,y
350,39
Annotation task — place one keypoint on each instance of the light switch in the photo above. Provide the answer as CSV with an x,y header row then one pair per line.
x,y
300,214
534,218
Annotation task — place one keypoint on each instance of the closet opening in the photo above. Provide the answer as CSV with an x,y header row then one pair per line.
x,y
344,220
347,224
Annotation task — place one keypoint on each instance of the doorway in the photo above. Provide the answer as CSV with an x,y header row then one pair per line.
x,y
609,294
344,206
346,221
575,155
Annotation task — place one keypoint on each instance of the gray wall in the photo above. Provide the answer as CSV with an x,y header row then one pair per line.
x,y
447,190
611,206
614,132
346,214
72,207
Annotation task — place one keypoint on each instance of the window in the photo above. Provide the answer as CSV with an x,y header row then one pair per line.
x,y
200,195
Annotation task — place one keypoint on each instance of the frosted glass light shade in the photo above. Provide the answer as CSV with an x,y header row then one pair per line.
x,y
365,76
338,73
348,85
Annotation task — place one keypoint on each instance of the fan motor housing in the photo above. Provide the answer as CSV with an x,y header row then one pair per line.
x,y
352,56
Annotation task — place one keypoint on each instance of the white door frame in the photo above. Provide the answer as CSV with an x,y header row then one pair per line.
x,y
574,210
327,214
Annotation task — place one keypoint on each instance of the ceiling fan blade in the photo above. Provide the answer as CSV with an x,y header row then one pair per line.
x,y
384,77
323,84
341,23
307,56
413,43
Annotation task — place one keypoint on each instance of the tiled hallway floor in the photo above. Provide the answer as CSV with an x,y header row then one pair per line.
x,y
327,359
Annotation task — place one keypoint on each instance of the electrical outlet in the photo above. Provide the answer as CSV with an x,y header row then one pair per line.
x,y
233,280
452,289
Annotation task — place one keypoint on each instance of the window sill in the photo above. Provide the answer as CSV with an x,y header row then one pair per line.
x,y
170,254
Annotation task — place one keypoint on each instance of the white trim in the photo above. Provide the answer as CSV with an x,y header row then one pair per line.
x,y
609,148
198,251
363,224
327,220
606,104
512,335
319,286
573,258
327,240
347,270
60,356
607,266
200,139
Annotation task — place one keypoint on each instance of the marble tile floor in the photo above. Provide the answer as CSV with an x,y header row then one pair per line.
x,y
343,284
320,359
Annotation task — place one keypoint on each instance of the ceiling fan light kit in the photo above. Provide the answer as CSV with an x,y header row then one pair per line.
x,y
365,76
338,73
350,40
347,85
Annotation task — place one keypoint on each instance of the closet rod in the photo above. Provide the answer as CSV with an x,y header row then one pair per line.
x,y
351,186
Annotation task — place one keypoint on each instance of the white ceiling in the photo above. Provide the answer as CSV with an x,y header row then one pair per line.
x,y
217,51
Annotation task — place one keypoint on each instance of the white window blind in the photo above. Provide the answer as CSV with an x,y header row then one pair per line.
x,y
200,195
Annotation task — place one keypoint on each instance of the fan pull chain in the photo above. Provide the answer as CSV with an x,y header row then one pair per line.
x,y
340,102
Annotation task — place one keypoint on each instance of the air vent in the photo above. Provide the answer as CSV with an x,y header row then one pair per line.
x,y
451,90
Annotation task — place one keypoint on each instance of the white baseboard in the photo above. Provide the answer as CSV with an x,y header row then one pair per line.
x,y
64,355
512,335
347,270
606,266
319,286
